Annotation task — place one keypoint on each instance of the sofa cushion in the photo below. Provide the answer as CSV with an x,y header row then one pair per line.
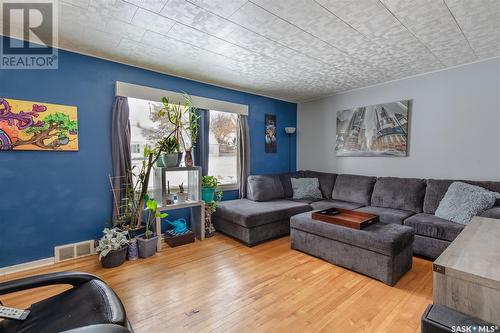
x,y
436,189
326,181
399,193
493,213
306,189
249,214
388,239
287,184
463,201
432,226
265,188
388,215
353,188
325,204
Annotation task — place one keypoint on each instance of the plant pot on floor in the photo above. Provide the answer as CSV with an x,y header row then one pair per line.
x,y
114,258
170,160
147,247
136,232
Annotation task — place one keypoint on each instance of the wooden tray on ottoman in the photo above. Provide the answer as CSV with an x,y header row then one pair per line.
x,y
345,217
179,240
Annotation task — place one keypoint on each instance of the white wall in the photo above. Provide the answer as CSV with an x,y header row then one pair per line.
x,y
454,126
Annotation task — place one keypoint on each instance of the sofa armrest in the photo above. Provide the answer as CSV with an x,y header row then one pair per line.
x,y
493,213
72,278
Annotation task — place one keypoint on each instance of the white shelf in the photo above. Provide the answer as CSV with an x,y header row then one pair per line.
x,y
179,205
181,168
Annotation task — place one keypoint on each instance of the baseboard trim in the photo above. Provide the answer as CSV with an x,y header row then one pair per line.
x,y
26,266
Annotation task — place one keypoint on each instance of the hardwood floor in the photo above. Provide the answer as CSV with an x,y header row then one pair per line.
x,y
219,285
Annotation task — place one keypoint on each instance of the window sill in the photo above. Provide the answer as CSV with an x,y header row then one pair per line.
x,y
228,187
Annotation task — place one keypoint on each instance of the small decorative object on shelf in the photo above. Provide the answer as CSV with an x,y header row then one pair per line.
x,y
112,247
181,195
188,158
169,197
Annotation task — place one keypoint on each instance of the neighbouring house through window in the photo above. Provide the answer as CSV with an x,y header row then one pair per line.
x,y
146,130
222,156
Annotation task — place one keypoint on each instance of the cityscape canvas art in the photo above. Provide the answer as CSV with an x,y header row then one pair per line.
x,y
375,130
26,125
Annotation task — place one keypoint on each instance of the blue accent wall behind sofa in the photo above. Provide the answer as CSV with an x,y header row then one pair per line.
x,y
55,198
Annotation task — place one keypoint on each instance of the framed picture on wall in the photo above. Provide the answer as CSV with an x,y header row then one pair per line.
x,y
376,130
26,125
270,133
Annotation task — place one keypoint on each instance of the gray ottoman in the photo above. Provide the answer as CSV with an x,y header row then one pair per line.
x,y
381,251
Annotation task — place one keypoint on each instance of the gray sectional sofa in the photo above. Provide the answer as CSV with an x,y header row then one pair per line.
x,y
266,211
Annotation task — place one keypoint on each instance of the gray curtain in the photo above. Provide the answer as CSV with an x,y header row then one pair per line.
x,y
243,153
120,149
202,146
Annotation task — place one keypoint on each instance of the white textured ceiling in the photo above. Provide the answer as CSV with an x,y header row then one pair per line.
x,y
292,49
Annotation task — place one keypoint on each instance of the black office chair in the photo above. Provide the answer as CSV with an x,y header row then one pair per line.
x,y
90,306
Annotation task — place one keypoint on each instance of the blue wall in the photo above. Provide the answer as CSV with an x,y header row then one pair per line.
x,y
54,198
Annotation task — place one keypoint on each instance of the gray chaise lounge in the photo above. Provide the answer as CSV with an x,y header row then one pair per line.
x,y
265,213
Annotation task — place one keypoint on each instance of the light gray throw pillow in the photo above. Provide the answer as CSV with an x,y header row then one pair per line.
x,y
463,201
306,189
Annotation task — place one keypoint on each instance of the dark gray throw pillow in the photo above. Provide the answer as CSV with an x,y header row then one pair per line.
x,y
264,188
306,189
463,201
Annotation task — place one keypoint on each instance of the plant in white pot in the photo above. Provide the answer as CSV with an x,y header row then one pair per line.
x,y
147,242
112,247
182,196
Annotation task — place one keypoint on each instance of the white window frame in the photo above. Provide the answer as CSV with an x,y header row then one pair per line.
x,y
154,94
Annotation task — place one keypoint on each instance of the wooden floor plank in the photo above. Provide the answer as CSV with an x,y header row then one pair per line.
x,y
219,285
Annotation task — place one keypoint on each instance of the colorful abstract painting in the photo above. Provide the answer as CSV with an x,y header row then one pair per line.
x,y
375,130
28,125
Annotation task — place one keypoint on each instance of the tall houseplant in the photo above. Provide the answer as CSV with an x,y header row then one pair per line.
x,y
184,121
132,206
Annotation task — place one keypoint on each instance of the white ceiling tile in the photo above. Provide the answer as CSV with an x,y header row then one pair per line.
x,y
151,21
480,22
224,8
194,16
434,25
117,9
152,5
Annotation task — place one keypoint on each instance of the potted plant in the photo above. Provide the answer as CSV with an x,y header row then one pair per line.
x,y
147,242
210,208
191,129
208,186
130,209
170,156
181,195
183,121
112,247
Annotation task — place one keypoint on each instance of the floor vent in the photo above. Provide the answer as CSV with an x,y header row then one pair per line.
x,y
72,251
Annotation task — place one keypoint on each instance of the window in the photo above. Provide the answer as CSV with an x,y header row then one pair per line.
x,y
223,160
145,130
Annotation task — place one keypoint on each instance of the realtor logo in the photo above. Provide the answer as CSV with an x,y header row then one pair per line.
x,y
32,28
